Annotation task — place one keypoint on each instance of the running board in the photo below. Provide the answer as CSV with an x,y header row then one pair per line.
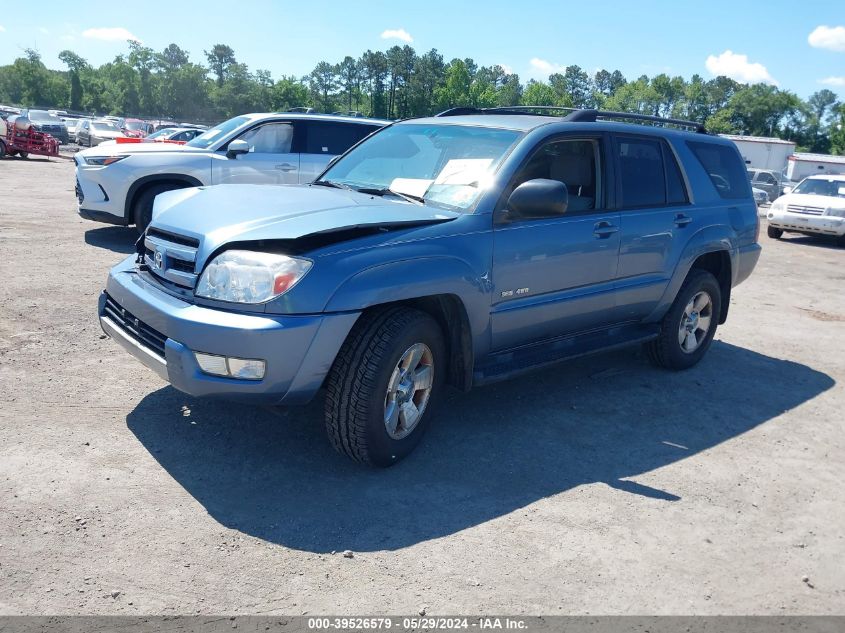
x,y
515,362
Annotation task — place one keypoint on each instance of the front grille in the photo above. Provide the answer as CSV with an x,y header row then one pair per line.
x,y
134,327
167,236
797,208
171,257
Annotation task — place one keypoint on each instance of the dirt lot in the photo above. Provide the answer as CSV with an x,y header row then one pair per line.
x,y
603,486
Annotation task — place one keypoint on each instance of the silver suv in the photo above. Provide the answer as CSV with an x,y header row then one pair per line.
x,y
117,183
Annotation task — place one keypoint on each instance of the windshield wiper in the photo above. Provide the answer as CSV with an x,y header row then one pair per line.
x,y
334,184
408,197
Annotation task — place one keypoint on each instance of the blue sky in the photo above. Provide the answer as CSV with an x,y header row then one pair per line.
x,y
798,46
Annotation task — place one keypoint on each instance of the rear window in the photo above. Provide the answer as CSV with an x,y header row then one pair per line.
x,y
334,138
724,167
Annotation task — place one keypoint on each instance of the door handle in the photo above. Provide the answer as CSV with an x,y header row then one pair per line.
x,y
604,229
285,167
682,220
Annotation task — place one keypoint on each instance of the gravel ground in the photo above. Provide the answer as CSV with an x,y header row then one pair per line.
x,y
604,486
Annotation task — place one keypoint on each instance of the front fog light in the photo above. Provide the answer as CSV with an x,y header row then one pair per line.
x,y
212,364
246,368
229,367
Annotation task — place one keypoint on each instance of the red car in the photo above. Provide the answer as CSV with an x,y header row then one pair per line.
x,y
136,128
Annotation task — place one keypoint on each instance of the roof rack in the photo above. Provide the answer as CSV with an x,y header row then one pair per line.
x,y
575,115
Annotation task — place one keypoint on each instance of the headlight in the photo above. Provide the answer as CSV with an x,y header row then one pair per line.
x,y
250,277
103,160
836,213
779,206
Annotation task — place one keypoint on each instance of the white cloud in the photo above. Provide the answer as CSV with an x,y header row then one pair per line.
x,y
2,28
546,67
737,67
508,69
833,81
830,37
110,34
397,34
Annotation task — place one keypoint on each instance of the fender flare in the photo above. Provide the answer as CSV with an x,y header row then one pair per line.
x,y
418,278
711,239
189,181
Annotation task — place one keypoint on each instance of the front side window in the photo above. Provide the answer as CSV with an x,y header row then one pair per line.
x,y
767,179
441,164
572,162
271,138
724,167
641,174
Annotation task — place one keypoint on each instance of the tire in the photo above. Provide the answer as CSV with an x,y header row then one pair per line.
x,y
23,155
142,211
365,385
2,149
668,350
774,233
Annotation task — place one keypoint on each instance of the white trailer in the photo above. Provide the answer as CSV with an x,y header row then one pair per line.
x,y
761,152
802,165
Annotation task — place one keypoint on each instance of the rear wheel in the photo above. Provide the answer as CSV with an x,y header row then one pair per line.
x,y
688,328
23,154
774,233
382,386
2,149
142,211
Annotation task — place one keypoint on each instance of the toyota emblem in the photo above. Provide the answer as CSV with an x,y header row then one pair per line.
x,y
159,260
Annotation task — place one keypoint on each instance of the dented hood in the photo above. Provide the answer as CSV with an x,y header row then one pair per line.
x,y
240,213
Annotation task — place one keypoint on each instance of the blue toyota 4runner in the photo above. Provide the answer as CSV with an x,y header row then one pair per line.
x,y
459,249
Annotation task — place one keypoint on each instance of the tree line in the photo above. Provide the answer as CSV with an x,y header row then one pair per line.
x,y
400,83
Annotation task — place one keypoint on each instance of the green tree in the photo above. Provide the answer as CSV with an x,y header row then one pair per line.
x,y
76,65
539,93
220,60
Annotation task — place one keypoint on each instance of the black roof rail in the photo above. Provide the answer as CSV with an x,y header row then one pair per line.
x,y
576,115
592,116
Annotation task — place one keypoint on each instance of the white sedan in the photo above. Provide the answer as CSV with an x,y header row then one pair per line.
x,y
815,207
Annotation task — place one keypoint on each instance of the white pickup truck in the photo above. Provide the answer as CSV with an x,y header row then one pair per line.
x,y
117,183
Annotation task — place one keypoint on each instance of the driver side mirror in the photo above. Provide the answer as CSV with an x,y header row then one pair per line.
x,y
787,189
236,148
538,198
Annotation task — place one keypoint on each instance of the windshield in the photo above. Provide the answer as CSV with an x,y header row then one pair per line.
x,y
820,187
208,137
103,126
41,115
447,165
162,132
134,125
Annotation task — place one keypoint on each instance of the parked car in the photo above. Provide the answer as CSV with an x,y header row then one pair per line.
x,y
178,134
136,128
43,121
91,133
460,249
760,196
118,183
815,207
767,180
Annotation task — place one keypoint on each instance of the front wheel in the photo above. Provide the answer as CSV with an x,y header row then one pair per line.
x,y
774,233
688,328
383,384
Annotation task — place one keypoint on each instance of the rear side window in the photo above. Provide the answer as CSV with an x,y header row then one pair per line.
x,y
724,167
641,173
334,138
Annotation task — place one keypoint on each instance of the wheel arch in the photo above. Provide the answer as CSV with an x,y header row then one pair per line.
x,y
137,188
443,287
